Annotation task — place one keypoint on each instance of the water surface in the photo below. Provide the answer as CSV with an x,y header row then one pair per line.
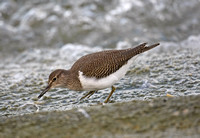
x,y
39,37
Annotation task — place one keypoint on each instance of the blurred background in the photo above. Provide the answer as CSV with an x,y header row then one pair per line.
x,y
52,24
38,36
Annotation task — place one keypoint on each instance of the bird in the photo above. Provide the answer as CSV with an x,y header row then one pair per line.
x,y
96,71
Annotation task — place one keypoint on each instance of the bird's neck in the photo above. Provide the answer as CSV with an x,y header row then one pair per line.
x,y
71,80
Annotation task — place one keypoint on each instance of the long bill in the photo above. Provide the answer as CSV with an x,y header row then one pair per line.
x,y
44,91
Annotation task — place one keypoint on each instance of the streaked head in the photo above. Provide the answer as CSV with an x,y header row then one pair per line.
x,y
55,80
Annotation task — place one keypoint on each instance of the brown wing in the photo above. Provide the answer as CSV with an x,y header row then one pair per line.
x,y
102,64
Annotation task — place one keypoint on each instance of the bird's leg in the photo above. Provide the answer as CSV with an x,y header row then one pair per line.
x,y
90,93
113,89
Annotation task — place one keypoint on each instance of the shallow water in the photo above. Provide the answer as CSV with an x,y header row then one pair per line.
x,y
39,37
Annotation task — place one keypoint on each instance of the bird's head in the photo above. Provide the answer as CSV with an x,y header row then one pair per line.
x,y
56,79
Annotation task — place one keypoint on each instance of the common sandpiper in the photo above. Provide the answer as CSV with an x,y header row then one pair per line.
x,y
96,71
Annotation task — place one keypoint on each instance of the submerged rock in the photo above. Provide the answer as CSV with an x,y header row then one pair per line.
x,y
163,117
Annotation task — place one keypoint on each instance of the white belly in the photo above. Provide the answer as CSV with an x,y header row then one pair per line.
x,y
90,84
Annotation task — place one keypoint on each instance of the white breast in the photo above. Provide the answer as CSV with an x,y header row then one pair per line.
x,y
90,84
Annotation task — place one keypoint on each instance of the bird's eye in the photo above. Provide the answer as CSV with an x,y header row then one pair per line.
x,y
54,79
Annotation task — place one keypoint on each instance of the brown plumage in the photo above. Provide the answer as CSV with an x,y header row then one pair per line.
x,y
96,65
92,66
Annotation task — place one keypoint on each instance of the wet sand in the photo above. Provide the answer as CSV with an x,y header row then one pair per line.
x,y
162,117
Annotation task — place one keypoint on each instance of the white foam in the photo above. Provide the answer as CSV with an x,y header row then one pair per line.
x,y
76,51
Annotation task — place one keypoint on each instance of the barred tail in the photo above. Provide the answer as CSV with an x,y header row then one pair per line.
x,y
141,48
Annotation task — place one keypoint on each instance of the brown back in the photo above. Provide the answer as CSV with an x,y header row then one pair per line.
x,y
104,63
